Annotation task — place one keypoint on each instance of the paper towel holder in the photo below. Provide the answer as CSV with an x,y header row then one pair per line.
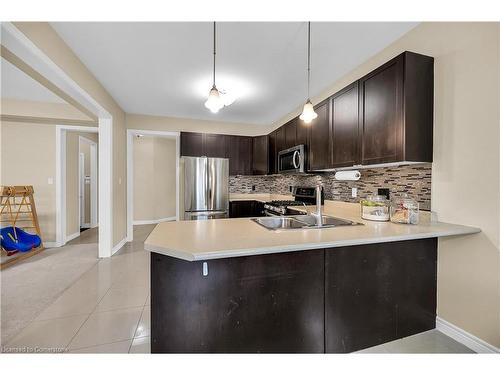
x,y
353,175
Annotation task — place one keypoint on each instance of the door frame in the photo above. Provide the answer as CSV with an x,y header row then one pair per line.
x,y
131,133
27,56
81,188
93,180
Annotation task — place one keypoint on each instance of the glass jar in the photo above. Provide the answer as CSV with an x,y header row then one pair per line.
x,y
404,210
375,207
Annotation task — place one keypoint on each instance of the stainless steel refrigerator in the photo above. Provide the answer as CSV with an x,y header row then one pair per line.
x,y
206,188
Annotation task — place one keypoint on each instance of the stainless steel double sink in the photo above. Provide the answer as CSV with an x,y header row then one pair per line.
x,y
301,222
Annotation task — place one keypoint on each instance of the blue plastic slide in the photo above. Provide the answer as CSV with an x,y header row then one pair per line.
x,y
23,242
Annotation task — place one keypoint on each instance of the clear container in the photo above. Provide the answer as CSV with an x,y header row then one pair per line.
x,y
375,207
404,210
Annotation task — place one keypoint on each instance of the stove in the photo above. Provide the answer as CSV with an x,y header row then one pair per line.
x,y
302,196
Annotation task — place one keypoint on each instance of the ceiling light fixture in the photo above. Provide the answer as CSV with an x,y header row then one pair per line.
x,y
308,113
214,101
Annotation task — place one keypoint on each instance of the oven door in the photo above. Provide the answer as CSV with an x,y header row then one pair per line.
x,y
291,160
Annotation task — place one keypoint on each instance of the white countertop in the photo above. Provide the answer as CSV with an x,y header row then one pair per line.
x,y
225,238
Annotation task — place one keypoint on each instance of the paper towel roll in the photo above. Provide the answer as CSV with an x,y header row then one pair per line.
x,y
347,175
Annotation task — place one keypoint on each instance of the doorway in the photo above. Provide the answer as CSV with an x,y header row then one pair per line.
x,y
132,136
87,183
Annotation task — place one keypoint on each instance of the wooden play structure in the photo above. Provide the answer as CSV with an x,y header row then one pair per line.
x,y
18,218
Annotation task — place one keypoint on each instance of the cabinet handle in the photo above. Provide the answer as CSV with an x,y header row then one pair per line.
x,y
205,269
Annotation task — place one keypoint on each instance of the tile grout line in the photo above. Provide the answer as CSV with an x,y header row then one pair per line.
x,y
140,318
95,307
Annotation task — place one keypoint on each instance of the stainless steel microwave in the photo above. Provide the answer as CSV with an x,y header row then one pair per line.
x,y
292,160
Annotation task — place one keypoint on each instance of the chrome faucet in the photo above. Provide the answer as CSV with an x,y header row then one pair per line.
x,y
319,208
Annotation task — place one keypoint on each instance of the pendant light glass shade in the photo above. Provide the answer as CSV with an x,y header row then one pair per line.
x,y
308,113
214,101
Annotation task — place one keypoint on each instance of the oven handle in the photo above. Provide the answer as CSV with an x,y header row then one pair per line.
x,y
296,163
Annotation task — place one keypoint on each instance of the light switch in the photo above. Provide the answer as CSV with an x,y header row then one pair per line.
x,y
50,181
354,192
119,180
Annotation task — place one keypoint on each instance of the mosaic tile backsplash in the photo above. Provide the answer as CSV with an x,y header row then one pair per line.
x,y
412,179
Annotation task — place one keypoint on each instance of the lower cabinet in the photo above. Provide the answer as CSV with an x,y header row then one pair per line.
x,y
245,209
378,293
334,300
255,304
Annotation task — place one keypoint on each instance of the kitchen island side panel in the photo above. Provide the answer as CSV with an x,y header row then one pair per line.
x,y
378,293
255,304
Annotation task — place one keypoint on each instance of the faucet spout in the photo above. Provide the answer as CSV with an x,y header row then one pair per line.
x,y
319,207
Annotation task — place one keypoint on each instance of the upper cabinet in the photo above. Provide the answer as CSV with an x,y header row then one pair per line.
x,y
240,154
344,127
290,133
384,117
319,138
272,153
396,111
260,155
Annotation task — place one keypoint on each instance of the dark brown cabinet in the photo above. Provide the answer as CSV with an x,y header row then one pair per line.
x,y
240,152
201,144
344,127
291,133
378,293
280,139
215,145
272,153
384,117
319,138
246,209
192,144
260,155
396,111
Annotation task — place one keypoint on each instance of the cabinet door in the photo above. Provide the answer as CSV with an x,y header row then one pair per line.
x,y
255,304
272,153
319,138
280,139
246,155
291,133
378,293
233,153
381,113
260,155
345,117
191,144
214,145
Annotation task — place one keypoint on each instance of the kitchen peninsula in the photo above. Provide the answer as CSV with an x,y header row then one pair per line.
x,y
231,285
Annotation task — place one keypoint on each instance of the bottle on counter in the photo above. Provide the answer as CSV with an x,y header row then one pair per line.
x,y
404,210
375,207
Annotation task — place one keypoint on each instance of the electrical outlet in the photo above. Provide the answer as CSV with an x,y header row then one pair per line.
x,y
50,181
354,192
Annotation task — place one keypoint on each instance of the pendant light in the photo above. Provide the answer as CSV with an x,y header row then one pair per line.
x,y
308,113
214,101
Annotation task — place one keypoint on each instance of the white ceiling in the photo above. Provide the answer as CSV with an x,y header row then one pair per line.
x,y
165,68
15,84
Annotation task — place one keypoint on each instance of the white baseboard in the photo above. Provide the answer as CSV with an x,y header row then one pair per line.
x,y
51,244
85,225
156,221
464,337
72,236
119,245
